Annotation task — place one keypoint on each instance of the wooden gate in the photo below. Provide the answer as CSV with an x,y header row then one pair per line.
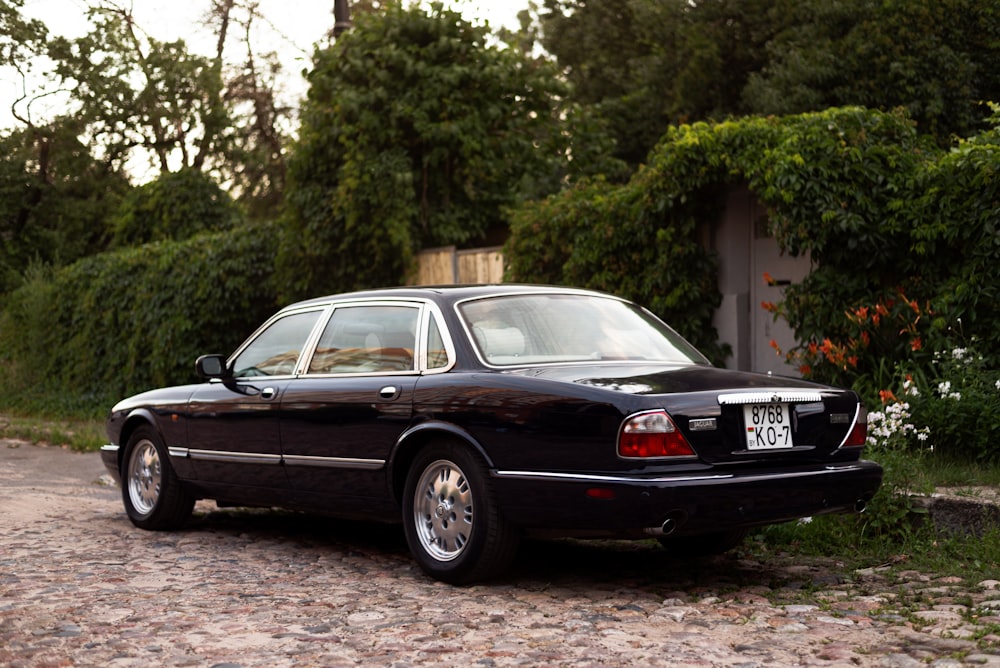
x,y
448,266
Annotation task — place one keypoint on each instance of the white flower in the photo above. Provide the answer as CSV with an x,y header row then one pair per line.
x,y
910,388
804,520
997,384
944,388
959,353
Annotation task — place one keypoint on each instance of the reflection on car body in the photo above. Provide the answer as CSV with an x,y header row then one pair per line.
x,y
475,414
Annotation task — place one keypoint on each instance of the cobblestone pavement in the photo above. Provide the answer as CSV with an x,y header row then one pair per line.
x,y
79,586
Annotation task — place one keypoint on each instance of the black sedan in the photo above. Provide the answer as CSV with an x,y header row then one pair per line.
x,y
475,414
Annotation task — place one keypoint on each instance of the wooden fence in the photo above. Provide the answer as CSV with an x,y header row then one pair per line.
x,y
448,266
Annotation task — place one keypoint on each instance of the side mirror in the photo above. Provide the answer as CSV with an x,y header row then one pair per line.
x,y
211,366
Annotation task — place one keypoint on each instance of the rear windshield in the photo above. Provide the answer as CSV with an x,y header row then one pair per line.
x,y
548,329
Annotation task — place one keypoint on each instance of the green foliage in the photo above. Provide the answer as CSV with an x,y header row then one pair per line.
x,y
903,235
416,133
118,323
625,240
54,199
645,64
177,205
952,405
935,58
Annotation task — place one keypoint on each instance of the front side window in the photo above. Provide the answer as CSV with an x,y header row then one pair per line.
x,y
276,350
367,339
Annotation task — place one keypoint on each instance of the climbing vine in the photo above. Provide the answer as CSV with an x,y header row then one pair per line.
x,y
896,228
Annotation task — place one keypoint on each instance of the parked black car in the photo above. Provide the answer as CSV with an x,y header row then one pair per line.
x,y
473,414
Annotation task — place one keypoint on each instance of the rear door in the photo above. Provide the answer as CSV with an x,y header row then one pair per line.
x,y
342,416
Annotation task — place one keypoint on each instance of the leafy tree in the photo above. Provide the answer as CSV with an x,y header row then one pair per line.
x,y
936,58
54,199
21,42
137,92
142,97
416,132
646,64
175,206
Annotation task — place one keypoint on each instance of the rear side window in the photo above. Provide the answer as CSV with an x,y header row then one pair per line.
x,y
367,339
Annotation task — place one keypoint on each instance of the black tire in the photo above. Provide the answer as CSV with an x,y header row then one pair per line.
x,y
703,545
452,523
153,496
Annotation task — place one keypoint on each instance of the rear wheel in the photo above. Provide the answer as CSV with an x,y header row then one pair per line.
x,y
453,525
703,545
151,492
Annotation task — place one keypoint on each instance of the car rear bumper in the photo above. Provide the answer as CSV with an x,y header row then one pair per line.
x,y
682,504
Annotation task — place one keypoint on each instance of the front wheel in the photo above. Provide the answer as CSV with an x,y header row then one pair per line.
x,y
453,525
153,496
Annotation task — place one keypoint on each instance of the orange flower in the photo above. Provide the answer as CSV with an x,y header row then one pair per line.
x,y
865,339
805,369
916,344
774,344
813,348
853,360
767,279
827,346
769,306
886,396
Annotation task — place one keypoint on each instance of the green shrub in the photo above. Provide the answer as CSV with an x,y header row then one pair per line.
x,y
77,339
175,206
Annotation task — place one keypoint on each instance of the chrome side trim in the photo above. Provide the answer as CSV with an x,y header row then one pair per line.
x,y
589,477
769,396
334,462
592,478
110,448
225,456
290,460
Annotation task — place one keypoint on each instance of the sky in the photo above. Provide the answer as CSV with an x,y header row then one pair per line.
x,y
291,28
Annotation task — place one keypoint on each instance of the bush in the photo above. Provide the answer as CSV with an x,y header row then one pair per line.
x,y
77,339
175,206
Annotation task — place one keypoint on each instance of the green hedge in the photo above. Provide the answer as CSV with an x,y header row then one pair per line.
x,y
80,338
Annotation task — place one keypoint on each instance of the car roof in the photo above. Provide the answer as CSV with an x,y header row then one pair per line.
x,y
446,294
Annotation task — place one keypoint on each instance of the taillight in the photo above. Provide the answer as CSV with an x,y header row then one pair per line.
x,y
652,434
859,432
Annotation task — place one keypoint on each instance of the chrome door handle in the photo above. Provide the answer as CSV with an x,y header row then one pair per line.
x,y
267,393
389,392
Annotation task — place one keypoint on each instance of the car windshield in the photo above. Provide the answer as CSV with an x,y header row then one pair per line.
x,y
553,328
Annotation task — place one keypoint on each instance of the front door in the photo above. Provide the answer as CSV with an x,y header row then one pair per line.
x,y
234,425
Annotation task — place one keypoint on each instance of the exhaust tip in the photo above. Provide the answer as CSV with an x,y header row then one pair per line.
x,y
860,505
668,526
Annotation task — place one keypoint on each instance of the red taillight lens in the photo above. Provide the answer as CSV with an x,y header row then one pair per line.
x,y
859,432
652,434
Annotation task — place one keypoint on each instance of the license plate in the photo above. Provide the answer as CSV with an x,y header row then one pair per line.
x,y
768,426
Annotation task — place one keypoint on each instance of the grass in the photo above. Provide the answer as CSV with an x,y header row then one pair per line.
x,y
77,433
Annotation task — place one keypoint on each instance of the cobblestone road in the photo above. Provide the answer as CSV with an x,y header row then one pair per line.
x,y
79,586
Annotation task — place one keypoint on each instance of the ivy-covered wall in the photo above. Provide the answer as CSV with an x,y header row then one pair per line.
x,y
118,323
899,230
